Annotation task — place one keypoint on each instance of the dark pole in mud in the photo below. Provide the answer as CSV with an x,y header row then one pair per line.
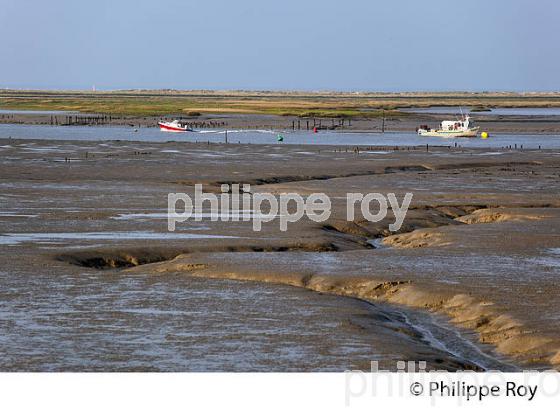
x,y
226,136
383,123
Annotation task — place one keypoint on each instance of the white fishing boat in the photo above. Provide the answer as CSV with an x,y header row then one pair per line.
x,y
451,129
173,126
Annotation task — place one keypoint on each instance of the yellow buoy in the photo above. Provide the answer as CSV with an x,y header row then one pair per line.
x,y
484,135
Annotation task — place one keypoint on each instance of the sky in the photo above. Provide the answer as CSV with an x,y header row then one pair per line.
x,y
343,45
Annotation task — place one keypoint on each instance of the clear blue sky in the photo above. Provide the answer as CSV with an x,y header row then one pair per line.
x,y
282,44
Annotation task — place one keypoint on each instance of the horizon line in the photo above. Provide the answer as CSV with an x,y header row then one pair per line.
x,y
271,91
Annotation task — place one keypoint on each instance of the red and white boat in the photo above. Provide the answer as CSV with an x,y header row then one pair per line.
x,y
173,126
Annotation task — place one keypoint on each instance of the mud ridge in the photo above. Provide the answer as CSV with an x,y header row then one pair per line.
x,y
126,258
425,236
420,217
344,236
386,170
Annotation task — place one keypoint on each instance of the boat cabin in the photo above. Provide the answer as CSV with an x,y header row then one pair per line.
x,y
456,125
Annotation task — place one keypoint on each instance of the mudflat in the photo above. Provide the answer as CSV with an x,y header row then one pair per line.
x,y
478,252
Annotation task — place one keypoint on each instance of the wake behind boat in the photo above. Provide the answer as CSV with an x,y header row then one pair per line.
x,y
173,126
451,129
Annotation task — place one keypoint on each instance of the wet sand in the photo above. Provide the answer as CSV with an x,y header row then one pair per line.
x,y
477,255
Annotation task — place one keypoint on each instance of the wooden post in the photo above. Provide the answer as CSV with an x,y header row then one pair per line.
x,y
383,124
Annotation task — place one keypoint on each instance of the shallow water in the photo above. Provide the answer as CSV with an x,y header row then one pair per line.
x,y
550,259
493,111
241,215
38,112
94,321
84,133
87,320
46,237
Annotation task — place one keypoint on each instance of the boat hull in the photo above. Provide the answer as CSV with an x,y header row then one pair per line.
x,y
171,128
450,134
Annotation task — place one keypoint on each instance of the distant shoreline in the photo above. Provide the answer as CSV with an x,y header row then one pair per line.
x,y
348,112
516,124
294,104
